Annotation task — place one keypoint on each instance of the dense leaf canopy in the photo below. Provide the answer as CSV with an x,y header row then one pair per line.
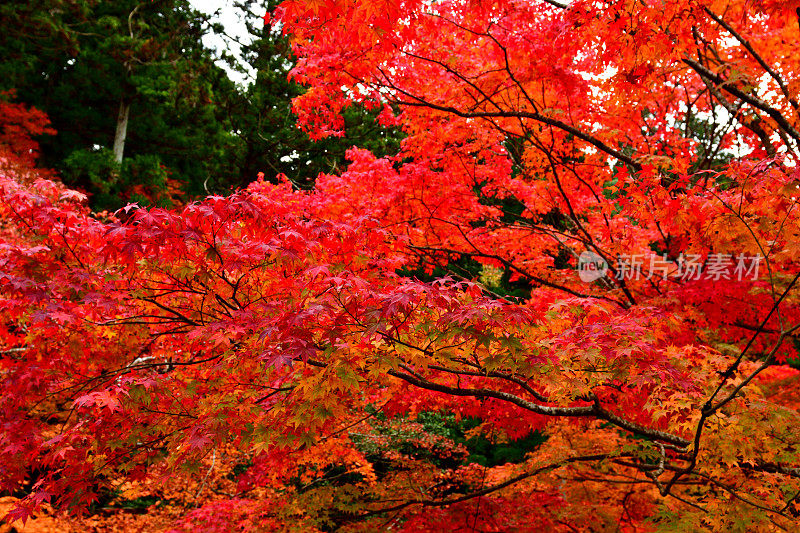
x,y
568,302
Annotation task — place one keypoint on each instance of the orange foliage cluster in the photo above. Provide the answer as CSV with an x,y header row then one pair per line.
x,y
264,362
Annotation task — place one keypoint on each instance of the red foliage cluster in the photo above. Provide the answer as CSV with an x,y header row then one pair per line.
x,y
260,356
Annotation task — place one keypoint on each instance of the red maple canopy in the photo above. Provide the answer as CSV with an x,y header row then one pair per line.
x,y
267,346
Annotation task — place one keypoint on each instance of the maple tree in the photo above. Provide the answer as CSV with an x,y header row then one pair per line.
x,y
272,348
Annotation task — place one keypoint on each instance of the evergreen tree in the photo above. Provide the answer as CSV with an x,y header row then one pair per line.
x,y
271,141
138,103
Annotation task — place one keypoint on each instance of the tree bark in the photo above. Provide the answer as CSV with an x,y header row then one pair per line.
x,y
122,129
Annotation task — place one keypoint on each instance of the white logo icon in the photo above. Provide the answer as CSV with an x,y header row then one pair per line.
x,y
591,267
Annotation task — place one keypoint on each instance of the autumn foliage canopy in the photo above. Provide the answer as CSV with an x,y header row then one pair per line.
x,y
272,360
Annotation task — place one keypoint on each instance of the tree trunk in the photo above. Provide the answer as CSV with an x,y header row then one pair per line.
x,y
122,129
